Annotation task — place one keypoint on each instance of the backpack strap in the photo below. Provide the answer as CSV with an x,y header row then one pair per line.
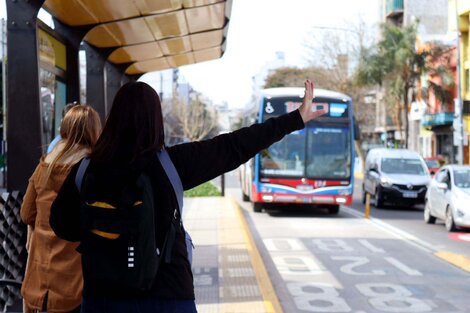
x,y
81,172
172,174
175,180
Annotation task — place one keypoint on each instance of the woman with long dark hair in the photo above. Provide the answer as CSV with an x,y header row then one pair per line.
x,y
131,137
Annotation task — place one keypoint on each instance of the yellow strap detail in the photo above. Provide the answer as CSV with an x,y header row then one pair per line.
x,y
102,205
137,203
105,234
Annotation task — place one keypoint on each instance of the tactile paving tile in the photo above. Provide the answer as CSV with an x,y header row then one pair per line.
x,y
224,277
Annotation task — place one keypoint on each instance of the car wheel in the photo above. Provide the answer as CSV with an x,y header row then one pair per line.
x,y
428,218
378,199
450,224
257,207
333,209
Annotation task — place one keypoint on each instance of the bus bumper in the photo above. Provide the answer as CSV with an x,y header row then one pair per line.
x,y
266,197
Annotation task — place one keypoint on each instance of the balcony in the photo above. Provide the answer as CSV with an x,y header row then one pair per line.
x,y
394,8
438,119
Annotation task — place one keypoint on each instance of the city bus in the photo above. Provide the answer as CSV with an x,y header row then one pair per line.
x,y
312,166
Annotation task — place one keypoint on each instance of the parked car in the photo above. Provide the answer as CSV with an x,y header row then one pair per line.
x,y
395,176
448,197
434,164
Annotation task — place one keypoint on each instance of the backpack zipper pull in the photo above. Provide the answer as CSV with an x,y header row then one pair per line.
x,y
130,256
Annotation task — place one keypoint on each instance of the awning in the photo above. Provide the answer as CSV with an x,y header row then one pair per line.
x,y
150,35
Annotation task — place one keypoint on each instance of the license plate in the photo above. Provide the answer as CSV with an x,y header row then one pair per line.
x,y
304,187
410,194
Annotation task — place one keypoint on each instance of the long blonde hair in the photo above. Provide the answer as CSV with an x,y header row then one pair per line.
x,y
79,130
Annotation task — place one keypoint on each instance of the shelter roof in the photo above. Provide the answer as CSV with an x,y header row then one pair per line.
x,y
150,35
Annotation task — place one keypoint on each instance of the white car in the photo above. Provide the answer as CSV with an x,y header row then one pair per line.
x,y
448,197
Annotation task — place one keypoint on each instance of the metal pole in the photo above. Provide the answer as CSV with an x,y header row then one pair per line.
x,y
367,208
4,80
222,185
459,116
4,101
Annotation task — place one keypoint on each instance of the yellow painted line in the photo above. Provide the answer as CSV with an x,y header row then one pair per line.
x,y
459,260
359,175
271,301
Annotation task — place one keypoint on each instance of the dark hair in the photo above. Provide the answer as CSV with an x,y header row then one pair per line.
x,y
134,125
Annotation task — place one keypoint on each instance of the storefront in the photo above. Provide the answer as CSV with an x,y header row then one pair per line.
x,y
52,80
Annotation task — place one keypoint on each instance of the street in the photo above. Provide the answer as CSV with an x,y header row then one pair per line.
x,y
392,262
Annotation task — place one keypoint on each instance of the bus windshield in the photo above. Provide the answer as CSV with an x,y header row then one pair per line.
x,y
286,157
314,152
328,153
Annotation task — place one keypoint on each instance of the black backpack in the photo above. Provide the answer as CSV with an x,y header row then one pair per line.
x,y
118,243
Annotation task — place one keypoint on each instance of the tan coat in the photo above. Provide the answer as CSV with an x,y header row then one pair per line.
x,y
54,266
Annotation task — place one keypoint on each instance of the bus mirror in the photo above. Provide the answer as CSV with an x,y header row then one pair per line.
x,y
357,132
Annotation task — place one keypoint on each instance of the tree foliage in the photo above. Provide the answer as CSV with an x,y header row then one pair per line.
x,y
396,65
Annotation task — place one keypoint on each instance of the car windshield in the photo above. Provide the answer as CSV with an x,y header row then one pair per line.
x,y
462,178
402,166
432,163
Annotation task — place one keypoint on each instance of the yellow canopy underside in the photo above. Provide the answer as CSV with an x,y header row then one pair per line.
x,y
151,34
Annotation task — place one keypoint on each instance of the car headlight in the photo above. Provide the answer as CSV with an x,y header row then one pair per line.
x,y
385,182
460,203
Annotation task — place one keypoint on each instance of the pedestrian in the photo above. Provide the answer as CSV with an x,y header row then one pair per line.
x,y
58,137
53,279
131,137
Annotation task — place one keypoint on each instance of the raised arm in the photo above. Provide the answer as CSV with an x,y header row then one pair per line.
x,y
307,109
198,162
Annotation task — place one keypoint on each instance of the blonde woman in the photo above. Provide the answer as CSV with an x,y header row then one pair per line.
x,y
53,280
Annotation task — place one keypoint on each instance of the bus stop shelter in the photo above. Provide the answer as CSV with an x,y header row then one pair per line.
x,y
122,39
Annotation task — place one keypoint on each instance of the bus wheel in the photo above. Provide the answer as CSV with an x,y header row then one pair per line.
x,y
245,197
257,206
333,209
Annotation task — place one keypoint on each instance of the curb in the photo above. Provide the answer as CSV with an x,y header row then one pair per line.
x,y
458,260
270,299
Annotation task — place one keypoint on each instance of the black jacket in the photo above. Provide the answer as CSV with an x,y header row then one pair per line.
x,y
196,163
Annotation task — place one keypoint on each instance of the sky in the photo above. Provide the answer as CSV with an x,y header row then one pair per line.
x,y
257,30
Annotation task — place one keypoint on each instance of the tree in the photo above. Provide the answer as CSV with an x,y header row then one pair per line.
x,y
189,122
295,77
333,54
397,65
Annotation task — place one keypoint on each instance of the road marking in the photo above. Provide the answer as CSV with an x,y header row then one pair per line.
x,y
457,260
370,246
461,261
460,237
394,231
402,267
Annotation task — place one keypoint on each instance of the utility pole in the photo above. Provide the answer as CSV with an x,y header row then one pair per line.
x,y
458,109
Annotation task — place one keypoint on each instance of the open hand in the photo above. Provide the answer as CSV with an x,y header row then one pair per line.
x,y
308,109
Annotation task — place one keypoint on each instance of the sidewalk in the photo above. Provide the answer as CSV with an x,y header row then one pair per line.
x,y
229,275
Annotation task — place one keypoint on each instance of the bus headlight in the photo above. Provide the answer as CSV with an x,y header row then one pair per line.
x,y
341,200
267,198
